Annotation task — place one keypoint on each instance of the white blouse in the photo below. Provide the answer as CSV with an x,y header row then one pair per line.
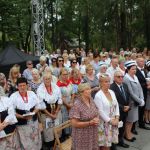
x,y
18,102
51,99
104,106
6,104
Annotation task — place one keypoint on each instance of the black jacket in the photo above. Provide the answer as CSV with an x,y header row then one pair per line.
x,y
120,98
142,81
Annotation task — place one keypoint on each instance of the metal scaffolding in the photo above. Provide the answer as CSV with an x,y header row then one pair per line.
x,y
38,26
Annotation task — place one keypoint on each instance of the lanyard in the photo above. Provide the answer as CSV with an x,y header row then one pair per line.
x,y
49,90
24,97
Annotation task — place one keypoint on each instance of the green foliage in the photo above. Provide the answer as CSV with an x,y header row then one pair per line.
x,y
107,23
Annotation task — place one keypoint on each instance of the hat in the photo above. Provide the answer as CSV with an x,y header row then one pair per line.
x,y
102,63
130,63
147,63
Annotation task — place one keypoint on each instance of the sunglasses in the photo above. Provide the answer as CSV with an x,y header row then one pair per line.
x,y
54,61
74,62
60,60
119,76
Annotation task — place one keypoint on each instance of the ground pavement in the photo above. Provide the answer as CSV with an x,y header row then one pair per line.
x,y
142,142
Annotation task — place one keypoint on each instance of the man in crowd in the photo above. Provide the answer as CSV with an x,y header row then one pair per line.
x,y
111,70
122,95
141,74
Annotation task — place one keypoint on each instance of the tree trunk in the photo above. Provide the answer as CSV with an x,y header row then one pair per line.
x,y
20,34
147,22
123,26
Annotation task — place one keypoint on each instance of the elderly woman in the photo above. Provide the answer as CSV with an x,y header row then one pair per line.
x,y
8,136
95,63
36,80
71,55
27,73
26,105
66,60
48,70
41,66
75,79
84,119
50,100
91,79
102,68
67,95
136,97
107,105
82,68
3,82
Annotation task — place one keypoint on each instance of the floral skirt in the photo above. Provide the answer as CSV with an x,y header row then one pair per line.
x,y
30,136
10,142
107,134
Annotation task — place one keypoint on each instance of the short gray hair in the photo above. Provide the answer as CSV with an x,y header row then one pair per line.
x,y
83,86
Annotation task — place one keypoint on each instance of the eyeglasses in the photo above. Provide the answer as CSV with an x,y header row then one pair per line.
x,y
54,61
60,60
65,74
74,62
30,64
119,76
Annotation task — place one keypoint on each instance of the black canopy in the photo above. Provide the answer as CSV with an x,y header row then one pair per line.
x,y
11,55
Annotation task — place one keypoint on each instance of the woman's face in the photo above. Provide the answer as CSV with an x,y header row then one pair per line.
x,y
35,75
132,70
90,71
54,62
105,83
30,65
15,74
47,80
103,69
76,75
86,61
2,79
87,92
60,61
74,63
64,76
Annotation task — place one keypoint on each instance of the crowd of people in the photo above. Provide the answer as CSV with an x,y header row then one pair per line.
x,y
104,95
